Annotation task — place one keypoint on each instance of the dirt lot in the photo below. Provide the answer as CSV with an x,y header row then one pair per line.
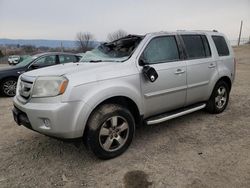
x,y
198,150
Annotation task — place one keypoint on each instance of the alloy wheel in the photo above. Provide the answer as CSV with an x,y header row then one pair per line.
x,y
9,87
113,133
221,98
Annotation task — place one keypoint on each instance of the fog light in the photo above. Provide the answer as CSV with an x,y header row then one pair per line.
x,y
46,122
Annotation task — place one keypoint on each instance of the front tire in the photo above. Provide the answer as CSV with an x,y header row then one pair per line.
x,y
111,129
219,98
8,87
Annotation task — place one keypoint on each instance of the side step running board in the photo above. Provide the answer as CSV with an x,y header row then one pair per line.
x,y
171,115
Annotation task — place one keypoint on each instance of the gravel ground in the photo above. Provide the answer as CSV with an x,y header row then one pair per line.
x,y
197,150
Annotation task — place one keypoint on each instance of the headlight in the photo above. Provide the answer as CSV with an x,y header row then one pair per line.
x,y
49,86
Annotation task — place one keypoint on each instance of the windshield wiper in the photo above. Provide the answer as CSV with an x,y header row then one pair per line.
x,y
95,61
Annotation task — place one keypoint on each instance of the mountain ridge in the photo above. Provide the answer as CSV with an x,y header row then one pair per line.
x,y
42,42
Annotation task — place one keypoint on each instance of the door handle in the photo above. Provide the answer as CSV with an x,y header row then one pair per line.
x,y
211,66
179,71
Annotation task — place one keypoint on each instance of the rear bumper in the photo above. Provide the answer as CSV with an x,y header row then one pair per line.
x,y
53,119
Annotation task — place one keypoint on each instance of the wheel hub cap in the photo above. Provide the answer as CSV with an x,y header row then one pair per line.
x,y
221,98
9,88
113,133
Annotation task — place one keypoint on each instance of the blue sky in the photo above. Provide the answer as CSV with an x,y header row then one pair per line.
x,y
62,19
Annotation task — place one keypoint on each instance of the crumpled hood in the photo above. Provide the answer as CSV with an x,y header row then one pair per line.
x,y
81,73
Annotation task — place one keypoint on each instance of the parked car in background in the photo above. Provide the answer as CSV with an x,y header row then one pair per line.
x,y
150,79
14,59
9,76
22,57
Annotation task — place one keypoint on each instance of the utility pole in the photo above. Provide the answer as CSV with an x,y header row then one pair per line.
x,y
241,23
61,47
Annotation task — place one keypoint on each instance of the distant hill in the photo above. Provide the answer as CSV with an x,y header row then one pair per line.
x,y
42,42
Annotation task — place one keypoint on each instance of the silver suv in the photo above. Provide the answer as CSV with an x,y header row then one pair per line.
x,y
131,81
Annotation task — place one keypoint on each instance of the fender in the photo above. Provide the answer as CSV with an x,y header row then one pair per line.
x,y
95,93
224,71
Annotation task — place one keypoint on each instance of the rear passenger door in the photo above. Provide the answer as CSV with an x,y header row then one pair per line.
x,y
201,67
168,92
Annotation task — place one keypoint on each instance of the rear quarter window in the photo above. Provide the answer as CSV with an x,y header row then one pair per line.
x,y
221,45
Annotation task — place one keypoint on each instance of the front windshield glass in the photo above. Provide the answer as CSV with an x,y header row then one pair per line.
x,y
26,61
116,51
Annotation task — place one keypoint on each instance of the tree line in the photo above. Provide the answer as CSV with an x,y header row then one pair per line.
x,y
84,40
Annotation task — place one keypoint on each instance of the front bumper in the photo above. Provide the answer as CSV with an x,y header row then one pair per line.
x,y
53,119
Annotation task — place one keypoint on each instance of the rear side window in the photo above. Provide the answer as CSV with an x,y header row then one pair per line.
x,y
67,58
161,50
221,45
206,46
196,46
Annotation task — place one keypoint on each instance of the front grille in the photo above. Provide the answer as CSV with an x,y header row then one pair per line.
x,y
25,87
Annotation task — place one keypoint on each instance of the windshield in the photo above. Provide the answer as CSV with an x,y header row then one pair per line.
x,y
116,51
26,61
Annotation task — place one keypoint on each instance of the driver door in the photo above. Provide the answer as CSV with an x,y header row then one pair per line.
x,y
169,90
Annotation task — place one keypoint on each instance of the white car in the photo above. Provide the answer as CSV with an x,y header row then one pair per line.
x,y
13,60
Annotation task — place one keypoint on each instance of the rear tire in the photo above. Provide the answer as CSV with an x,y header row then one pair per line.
x,y
8,87
110,130
219,98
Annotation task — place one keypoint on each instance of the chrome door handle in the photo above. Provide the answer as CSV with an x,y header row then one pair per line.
x,y
211,65
179,71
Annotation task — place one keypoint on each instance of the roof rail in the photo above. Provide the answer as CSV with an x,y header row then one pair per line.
x,y
199,30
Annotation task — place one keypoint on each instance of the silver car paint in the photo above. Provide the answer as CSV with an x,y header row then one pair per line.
x,y
201,77
92,83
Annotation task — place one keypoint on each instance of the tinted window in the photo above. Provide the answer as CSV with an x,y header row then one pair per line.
x,y
221,45
67,58
46,61
161,49
206,46
194,46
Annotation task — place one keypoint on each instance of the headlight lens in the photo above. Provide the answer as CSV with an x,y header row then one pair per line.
x,y
49,86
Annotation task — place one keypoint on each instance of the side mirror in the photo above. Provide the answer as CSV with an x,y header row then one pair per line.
x,y
150,73
142,62
34,66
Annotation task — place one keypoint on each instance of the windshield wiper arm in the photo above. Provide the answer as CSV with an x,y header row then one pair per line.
x,y
95,61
